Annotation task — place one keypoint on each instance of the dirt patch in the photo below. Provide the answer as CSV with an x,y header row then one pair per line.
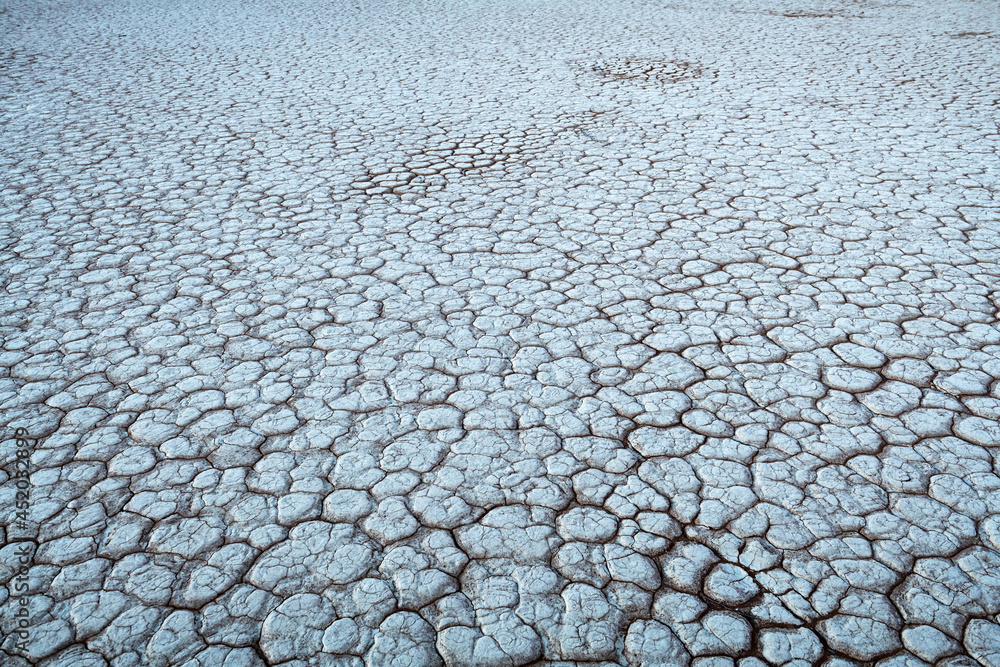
x,y
647,69
800,14
431,168
434,163
823,13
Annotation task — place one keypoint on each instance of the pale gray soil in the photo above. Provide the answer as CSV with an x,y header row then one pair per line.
x,y
536,332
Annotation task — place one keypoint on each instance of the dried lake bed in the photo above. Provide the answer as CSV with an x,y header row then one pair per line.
x,y
418,333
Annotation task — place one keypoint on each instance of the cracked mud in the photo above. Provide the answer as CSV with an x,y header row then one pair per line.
x,y
497,334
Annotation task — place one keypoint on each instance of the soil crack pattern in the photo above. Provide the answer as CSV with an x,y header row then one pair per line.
x,y
554,333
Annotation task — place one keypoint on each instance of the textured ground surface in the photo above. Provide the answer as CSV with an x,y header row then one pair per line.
x,y
503,333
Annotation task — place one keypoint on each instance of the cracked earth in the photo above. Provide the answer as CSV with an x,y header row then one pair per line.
x,y
416,333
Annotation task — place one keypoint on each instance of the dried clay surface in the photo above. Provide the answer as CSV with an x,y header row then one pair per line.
x,y
407,333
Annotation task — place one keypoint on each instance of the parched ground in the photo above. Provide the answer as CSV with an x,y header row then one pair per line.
x,y
537,332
